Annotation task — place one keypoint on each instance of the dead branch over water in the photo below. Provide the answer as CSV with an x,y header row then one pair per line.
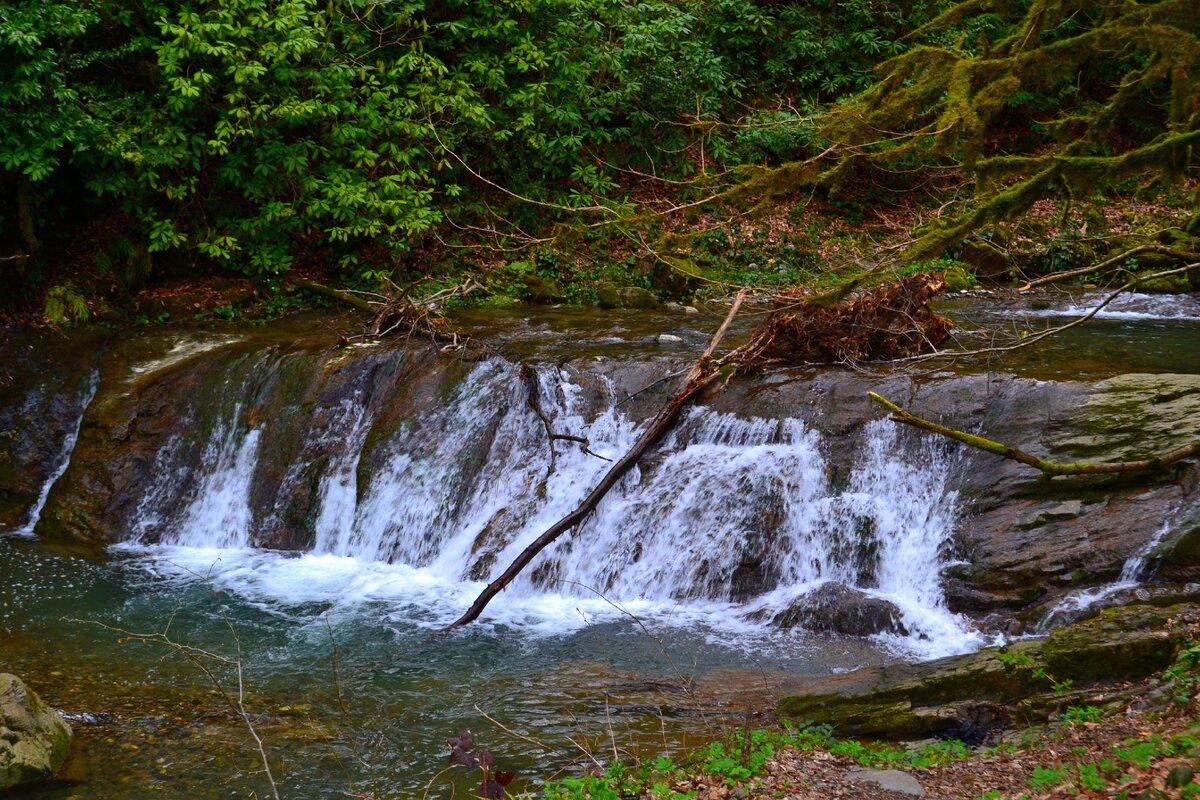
x,y
701,375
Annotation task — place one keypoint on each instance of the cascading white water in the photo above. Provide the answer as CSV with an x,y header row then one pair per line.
x,y
220,516
466,484
1074,605
64,460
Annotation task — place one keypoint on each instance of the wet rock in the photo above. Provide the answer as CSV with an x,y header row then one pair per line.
x,y
1042,514
892,780
979,689
43,381
669,339
963,598
1178,557
34,740
841,609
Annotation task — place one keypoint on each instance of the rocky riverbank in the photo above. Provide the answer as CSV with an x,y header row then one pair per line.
x,y
1023,545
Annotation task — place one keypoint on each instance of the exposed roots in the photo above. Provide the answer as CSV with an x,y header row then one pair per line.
x,y
886,322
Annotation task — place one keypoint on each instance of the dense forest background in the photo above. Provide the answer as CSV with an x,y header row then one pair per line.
x,y
552,147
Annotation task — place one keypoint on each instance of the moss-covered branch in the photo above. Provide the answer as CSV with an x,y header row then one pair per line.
x,y
1048,468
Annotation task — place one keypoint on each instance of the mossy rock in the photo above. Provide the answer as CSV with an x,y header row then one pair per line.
x,y
1175,284
958,279
1124,643
608,296
985,259
541,290
34,740
916,700
636,297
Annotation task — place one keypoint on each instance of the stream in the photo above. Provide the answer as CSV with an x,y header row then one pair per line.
x,y
313,517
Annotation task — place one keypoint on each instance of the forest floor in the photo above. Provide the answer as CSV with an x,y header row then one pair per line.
x,y
1136,753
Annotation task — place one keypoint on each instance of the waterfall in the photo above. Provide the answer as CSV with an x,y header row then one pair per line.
x,y
739,511
220,515
63,461
1075,605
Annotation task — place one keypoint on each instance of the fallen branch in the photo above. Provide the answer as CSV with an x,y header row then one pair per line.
x,y
701,374
529,376
1180,255
337,294
1048,468
397,313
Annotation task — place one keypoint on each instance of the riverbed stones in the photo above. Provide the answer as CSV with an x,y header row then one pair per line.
x,y
34,740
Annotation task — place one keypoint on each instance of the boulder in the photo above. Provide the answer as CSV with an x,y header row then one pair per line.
x,y
34,740
986,260
636,297
838,608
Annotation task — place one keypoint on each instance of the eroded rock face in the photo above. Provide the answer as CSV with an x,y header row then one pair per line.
x,y
43,375
34,740
1021,541
835,607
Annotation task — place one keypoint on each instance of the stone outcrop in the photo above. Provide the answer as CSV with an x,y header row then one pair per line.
x,y
43,376
1024,680
34,740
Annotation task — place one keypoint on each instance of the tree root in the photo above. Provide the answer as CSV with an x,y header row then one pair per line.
x,y
1048,468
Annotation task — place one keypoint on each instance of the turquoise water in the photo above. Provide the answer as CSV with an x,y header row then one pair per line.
x,y
354,698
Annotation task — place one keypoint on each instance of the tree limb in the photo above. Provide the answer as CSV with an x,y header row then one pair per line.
x,y
1048,468
337,294
702,373
1181,255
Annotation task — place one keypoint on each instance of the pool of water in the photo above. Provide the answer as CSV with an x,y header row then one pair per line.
x,y
357,696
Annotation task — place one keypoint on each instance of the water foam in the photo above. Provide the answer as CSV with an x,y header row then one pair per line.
x,y
465,485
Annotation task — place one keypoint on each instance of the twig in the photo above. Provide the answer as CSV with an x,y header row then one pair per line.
x,y
1145,248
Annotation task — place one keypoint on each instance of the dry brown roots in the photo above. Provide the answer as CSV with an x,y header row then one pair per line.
x,y
888,321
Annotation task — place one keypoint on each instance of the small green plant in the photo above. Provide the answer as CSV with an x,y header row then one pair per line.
x,y
65,304
1046,778
1078,715
1182,675
1091,779
1141,753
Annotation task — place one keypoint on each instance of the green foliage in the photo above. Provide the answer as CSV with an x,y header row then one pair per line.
x,y
1046,778
1036,106
1078,715
1184,674
257,134
64,304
